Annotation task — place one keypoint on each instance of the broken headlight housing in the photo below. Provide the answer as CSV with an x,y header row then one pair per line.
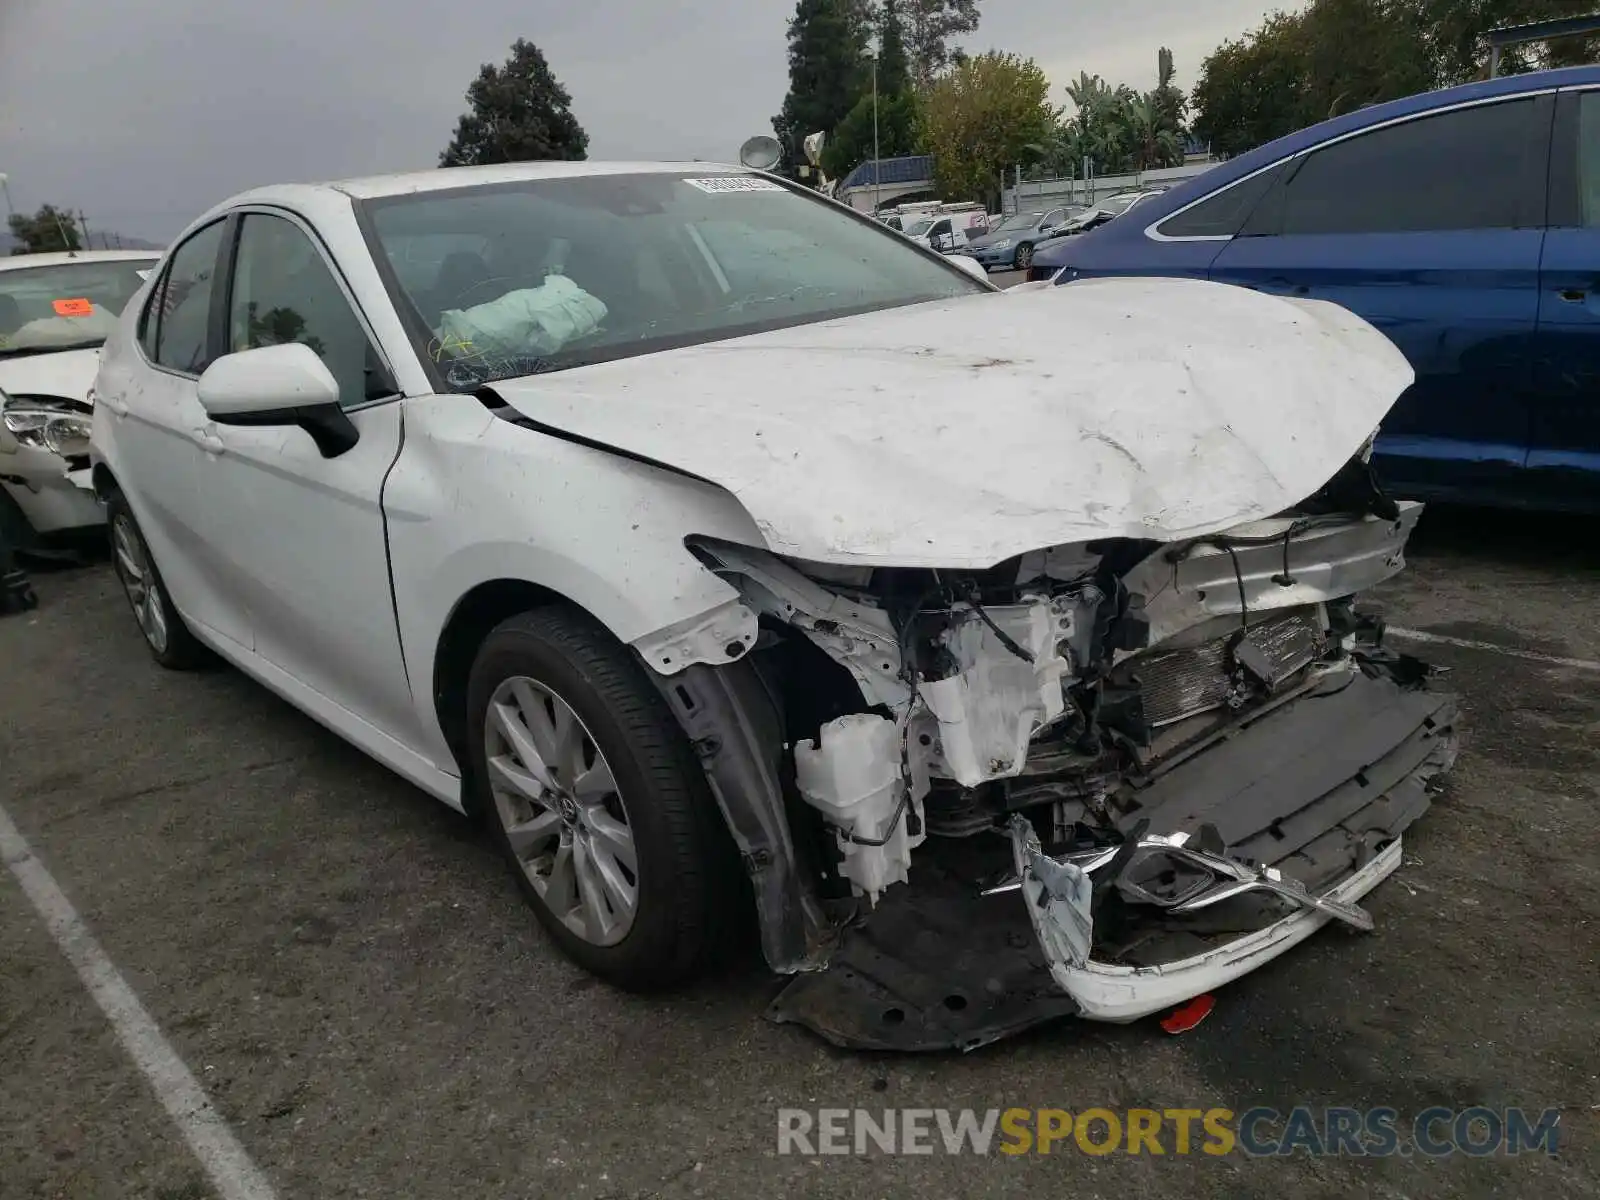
x,y
59,426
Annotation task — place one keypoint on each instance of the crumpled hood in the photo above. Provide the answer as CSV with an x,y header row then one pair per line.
x,y
963,432
66,373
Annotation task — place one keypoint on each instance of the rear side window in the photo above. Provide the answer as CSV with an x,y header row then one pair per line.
x,y
1222,214
176,325
1575,162
1472,168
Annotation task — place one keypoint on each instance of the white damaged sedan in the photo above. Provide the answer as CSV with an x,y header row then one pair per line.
x,y
725,553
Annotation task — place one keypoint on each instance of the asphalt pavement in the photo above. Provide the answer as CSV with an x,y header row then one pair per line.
x,y
346,970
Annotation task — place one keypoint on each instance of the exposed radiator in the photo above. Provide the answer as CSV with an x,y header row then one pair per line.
x,y
1176,684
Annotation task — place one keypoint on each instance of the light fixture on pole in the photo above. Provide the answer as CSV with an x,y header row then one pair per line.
x,y
877,163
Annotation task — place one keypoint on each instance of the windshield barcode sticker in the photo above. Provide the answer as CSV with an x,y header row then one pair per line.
x,y
735,183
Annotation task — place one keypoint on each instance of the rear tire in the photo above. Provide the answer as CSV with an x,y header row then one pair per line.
x,y
165,635
597,801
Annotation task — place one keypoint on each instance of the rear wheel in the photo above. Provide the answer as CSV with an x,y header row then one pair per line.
x,y
1024,256
168,638
597,801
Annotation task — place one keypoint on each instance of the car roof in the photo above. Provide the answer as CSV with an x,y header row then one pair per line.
x,y
54,258
442,178
1179,195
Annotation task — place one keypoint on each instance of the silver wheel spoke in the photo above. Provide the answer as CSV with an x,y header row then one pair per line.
x,y
619,892
596,914
561,884
595,783
558,737
564,818
508,722
528,836
505,773
612,837
158,617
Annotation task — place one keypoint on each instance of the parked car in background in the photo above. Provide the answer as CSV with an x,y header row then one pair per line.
x,y
1009,244
1091,217
946,230
1464,224
626,507
55,311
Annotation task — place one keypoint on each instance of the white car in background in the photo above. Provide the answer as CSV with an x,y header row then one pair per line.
x,y
716,547
55,311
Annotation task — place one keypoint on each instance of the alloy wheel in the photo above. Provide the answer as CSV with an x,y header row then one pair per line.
x,y
139,582
557,801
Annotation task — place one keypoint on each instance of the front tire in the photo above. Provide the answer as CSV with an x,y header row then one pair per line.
x,y
1024,256
167,637
597,801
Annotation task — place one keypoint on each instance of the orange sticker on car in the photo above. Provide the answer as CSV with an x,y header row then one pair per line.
x,y
76,307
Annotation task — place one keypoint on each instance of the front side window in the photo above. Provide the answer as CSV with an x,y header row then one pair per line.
x,y
1470,168
67,306
176,325
585,269
283,291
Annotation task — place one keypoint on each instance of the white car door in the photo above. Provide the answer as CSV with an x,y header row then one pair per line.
x,y
146,397
300,535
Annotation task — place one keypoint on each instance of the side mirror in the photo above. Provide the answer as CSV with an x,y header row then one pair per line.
x,y
279,385
971,266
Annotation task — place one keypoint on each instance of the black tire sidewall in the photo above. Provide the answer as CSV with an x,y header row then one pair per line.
x,y
666,821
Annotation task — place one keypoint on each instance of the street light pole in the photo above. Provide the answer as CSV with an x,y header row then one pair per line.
x,y
877,163
5,187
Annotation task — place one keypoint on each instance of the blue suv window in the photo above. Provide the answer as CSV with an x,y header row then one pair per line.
x,y
1575,162
1222,214
1469,168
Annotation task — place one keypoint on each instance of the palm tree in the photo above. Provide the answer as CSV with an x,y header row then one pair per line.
x,y
1154,141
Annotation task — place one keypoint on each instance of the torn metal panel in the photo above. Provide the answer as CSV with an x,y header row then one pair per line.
x,y
721,635
860,637
1280,563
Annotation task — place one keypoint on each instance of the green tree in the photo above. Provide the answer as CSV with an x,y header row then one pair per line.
x,y
850,144
50,228
930,24
851,141
983,116
828,70
894,66
519,113
1155,142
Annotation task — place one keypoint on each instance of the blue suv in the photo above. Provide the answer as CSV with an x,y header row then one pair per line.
x,y
1465,224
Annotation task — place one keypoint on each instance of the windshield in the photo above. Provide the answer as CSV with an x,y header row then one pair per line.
x,y
507,280
917,228
68,306
1017,221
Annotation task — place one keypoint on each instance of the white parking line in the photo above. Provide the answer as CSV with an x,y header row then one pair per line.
x,y
232,1172
1439,639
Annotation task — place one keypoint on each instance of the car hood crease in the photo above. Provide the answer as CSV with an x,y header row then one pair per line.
x,y
963,432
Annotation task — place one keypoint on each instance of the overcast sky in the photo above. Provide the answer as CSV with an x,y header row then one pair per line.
x,y
145,114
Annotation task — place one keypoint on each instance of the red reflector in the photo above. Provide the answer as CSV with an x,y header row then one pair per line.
x,y
1186,1016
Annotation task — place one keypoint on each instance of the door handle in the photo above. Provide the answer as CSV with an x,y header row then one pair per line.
x,y
1574,295
209,442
